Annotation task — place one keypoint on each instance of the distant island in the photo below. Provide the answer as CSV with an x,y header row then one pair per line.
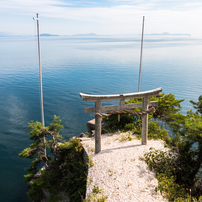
x,y
89,34
6,34
45,34
166,33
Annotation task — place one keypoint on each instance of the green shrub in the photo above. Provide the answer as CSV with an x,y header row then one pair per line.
x,y
65,168
114,124
155,131
169,188
129,127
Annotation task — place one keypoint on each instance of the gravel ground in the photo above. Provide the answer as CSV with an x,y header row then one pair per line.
x,y
119,171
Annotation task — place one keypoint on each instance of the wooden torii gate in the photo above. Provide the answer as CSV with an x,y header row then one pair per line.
x,y
122,97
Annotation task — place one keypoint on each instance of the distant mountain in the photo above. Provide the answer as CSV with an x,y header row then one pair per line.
x,y
90,34
6,34
166,33
45,34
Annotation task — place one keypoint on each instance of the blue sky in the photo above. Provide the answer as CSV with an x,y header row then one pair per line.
x,y
103,17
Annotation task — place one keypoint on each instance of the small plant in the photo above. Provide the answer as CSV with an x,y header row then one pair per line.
x,y
129,184
111,172
97,195
92,149
132,159
129,127
90,161
97,190
125,137
88,134
89,181
107,142
141,158
130,138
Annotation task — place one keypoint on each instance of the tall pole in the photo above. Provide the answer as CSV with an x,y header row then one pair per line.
x,y
41,89
39,55
141,55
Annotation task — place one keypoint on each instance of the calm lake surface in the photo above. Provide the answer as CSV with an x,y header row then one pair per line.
x,y
70,65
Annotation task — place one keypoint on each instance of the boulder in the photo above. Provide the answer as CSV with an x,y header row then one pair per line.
x,y
91,125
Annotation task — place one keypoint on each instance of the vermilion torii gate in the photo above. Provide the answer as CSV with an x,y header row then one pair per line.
x,y
122,97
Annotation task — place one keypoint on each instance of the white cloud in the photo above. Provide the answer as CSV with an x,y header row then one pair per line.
x,y
117,19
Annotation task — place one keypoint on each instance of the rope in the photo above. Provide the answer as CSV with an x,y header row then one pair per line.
x,y
109,113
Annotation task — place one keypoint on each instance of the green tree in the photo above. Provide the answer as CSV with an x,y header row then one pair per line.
x,y
168,107
37,150
64,166
185,156
198,105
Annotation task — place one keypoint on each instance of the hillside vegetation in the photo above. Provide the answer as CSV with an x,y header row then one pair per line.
x,y
179,171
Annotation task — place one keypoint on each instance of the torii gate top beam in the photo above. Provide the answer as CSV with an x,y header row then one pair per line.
x,y
94,98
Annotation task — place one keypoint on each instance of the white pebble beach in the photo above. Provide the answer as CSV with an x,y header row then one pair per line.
x,y
119,171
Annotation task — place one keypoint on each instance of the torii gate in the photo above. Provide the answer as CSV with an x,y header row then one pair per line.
x,y
122,97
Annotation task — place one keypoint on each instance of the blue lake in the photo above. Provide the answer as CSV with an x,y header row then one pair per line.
x,y
98,65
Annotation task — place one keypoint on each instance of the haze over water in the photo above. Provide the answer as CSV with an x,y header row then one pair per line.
x,y
70,65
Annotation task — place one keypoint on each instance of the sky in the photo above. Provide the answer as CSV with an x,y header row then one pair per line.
x,y
102,17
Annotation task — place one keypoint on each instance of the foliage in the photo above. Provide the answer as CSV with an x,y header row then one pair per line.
x,y
90,161
168,188
114,124
188,199
177,168
160,161
64,167
155,131
129,127
171,173
167,111
198,105
168,107
97,195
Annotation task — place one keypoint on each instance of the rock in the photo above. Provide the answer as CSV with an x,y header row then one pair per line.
x,y
28,185
82,135
104,131
91,125
38,175
91,128
92,133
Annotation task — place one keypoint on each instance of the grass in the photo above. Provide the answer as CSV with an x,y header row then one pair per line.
x,y
97,195
90,161
107,142
92,149
111,172
125,137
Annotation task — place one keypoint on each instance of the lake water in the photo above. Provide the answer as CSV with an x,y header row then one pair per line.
x,y
98,65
